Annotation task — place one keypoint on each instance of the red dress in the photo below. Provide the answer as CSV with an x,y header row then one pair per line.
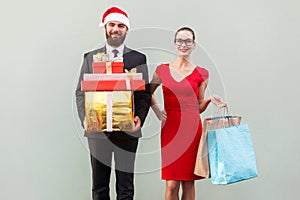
x,y
181,132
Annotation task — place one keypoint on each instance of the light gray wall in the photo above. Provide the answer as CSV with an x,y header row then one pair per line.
x,y
253,48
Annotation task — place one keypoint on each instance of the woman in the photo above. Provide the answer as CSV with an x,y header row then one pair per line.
x,y
183,87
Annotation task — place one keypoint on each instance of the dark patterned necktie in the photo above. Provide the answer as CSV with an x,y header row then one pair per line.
x,y
115,51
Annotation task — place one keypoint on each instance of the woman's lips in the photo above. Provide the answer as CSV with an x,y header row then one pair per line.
x,y
183,50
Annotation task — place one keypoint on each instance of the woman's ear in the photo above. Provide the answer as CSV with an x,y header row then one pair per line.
x,y
194,46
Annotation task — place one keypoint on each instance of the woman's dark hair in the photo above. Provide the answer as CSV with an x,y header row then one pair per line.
x,y
185,29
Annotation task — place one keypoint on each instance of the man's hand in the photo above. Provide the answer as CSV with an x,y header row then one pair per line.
x,y
84,123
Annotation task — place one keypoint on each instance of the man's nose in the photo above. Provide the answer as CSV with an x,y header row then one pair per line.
x,y
116,29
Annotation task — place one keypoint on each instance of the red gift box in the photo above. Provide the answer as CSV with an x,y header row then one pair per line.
x,y
112,85
101,67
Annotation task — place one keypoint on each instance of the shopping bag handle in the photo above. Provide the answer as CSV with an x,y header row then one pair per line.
x,y
224,111
225,115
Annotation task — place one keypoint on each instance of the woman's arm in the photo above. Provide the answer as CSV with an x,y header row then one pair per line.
x,y
155,82
203,103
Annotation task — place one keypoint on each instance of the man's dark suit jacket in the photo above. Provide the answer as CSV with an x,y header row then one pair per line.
x,y
142,99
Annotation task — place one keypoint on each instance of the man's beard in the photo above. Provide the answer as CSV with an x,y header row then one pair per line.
x,y
115,42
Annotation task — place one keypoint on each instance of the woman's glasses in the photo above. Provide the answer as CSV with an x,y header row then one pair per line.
x,y
187,42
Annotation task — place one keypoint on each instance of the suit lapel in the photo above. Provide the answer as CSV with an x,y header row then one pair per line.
x,y
126,52
103,49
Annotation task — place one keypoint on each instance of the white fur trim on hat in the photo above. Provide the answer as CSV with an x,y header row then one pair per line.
x,y
115,17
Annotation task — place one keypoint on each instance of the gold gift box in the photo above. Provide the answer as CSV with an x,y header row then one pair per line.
x,y
109,111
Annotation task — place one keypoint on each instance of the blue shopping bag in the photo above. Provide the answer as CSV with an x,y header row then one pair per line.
x,y
231,155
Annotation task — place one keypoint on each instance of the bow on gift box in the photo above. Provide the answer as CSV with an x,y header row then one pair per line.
x,y
129,77
133,70
100,57
103,61
103,57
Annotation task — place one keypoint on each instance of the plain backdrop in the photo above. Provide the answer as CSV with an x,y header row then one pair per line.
x,y
250,47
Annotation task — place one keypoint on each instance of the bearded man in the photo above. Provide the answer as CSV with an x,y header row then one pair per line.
x,y
122,145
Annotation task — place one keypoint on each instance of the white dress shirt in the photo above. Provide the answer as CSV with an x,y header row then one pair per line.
x,y
109,52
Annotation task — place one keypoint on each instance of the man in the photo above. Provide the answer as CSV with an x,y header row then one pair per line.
x,y
122,145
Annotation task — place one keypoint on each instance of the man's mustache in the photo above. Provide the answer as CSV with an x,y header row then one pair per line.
x,y
115,33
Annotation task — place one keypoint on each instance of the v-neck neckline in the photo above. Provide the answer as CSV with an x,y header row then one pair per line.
x,y
183,77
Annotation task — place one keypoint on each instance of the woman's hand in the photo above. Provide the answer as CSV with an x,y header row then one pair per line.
x,y
160,114
137,124
218,101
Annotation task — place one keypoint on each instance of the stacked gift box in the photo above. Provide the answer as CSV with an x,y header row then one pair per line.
x,y
109,98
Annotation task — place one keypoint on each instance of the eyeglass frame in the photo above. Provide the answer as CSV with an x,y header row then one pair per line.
x,y
184,41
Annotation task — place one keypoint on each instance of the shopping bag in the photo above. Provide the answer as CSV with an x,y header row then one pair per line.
x,y
201,165
231,155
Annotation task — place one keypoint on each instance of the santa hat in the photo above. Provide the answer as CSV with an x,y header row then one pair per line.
x,y
114,14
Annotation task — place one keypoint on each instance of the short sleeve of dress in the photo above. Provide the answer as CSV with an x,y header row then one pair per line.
x,y
203,74
159,70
